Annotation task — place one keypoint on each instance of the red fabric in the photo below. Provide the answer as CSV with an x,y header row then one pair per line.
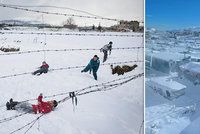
x,y
40,99
42,107
45,66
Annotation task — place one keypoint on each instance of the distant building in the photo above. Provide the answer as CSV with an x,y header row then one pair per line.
x,y
132,25
127,26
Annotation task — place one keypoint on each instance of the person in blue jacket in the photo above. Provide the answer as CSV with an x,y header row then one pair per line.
x,y
93,66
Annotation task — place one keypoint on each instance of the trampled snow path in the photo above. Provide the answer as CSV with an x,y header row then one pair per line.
x,y
116,111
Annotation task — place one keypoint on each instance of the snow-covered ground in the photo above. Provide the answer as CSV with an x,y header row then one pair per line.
x,y
118,111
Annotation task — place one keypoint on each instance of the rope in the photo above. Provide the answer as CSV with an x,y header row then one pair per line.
x,y
71,34
72,49
66,68
58,14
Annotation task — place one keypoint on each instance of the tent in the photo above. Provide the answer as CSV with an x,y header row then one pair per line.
x,y
165,61
167,87
191,71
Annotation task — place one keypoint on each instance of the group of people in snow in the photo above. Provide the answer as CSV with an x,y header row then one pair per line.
x,y
94,63
92,66
48,106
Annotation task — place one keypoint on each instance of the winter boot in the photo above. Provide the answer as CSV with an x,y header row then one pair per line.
x,y
8,106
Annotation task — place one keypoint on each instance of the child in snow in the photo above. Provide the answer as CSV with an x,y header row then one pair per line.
x,y
105,50
42,69
41,107
93,66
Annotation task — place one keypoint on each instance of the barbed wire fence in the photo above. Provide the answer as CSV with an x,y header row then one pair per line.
x,y
68,50
101,87
59,14
67,68
89,87
30,123
71,34
57,7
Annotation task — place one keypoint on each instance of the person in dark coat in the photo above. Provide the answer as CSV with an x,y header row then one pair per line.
x,y
93,66
105,50
42,69
42,106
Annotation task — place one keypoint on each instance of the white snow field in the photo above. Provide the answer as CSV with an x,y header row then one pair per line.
x,y
117,111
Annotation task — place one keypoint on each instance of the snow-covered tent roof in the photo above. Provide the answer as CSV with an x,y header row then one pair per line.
x,y
191,66
167,82
167,56
195,55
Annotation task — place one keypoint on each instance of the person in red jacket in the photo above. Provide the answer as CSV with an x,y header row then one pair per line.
x,y
42,69
41,107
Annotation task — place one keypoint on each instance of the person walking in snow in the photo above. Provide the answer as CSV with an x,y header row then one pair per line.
x,y
42,69
93,66
105,50
41,107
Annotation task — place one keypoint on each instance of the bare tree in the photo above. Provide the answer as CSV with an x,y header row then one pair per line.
x,y
70,23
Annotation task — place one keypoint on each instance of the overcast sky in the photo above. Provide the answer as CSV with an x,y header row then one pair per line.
x,y
119,9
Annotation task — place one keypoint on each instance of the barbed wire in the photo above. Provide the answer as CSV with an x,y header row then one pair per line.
x,y
66,68
79,90
33,123
58,7
59,14
140,130
105,88
72,49
72,34
11,118
27,124
13,75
